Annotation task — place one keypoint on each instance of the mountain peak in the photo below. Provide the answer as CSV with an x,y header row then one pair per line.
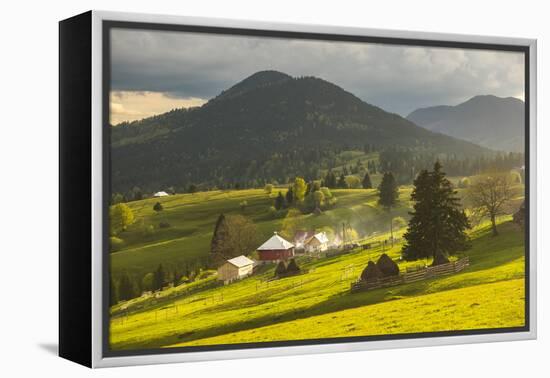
x,y
255,81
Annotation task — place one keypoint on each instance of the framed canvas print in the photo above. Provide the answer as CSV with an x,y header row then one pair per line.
x,y
234,189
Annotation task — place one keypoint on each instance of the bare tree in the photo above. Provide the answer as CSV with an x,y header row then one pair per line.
x,y
489,197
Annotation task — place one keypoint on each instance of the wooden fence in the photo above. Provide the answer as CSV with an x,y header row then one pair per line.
x,y
412,275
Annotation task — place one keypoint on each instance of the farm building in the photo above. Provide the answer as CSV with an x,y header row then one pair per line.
x,y
300,238
160,194
276,249
235,269
316,243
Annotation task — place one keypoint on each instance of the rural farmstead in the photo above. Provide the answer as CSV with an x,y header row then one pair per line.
x,y
317,243
235,269
276,249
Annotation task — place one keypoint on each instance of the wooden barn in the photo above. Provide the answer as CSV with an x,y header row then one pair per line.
x,y
316,243
235,269
276,249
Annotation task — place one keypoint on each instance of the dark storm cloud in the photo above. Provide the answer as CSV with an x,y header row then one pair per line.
x,y
396,78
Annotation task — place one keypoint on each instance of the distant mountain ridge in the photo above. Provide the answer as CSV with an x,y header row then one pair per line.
x,y
267,128
494,122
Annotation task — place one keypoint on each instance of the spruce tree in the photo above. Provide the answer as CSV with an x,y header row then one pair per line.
x,y
158,282
126,289
342,181
388,191
219,236
289,196
280,201
367,184
438,224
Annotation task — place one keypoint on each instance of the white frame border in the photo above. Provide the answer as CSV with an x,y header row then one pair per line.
x,y
97,189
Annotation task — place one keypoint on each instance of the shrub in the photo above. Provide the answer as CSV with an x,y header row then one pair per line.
x,y
387,266
280,269
158,207
371,272
116,243
268,188
292,267
164,225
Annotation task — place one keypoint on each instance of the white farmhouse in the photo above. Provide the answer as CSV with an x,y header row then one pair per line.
x,y
160,194
235,269
316,243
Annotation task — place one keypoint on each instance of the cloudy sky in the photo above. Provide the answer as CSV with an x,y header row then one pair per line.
x,y
155,71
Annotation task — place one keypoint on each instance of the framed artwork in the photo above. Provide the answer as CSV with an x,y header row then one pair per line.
x,y
233,189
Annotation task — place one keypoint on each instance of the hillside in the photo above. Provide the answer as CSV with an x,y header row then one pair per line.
x,y
493,122
267,128
489,293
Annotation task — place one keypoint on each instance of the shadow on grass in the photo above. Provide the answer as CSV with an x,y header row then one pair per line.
x,y
488,252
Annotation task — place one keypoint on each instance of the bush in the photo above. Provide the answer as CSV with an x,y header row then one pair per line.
x,y
371,273
116,243
164,225
292,267
280,269
158,207
387,266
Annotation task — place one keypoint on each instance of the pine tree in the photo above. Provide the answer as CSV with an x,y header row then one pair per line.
x,y
342,181
289,196
438,225
126,288
280,201
219,236
158,282
367,184
388,191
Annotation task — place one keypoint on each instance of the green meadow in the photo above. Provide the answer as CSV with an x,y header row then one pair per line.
x,y
192,218
317,304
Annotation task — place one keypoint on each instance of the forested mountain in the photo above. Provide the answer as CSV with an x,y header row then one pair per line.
x,y
267,128
493,122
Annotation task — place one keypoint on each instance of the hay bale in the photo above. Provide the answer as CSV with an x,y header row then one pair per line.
x,y
280,270
387,266
440,259
371,273
292,267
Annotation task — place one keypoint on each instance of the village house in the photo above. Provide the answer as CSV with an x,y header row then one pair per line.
x,y
160,194
300,238
316,243
275,249
235,269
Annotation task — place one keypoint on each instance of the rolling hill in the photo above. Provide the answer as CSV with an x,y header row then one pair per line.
x,y
267,128
494,122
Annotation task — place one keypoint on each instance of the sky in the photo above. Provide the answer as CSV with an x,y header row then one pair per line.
x,y
155,71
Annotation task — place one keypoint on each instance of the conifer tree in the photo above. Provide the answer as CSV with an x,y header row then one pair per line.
x,y
126,288
280,201
388,191
367,184
342,181
289,196
113,297
438,225
219,236
158,282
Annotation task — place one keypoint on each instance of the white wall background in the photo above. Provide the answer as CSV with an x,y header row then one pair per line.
x,y
28,200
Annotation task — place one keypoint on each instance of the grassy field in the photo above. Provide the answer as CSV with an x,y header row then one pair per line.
x,y
489,293
192,218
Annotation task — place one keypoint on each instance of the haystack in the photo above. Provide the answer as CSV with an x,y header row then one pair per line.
x,y
371,273
280,269
387,266
292,267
